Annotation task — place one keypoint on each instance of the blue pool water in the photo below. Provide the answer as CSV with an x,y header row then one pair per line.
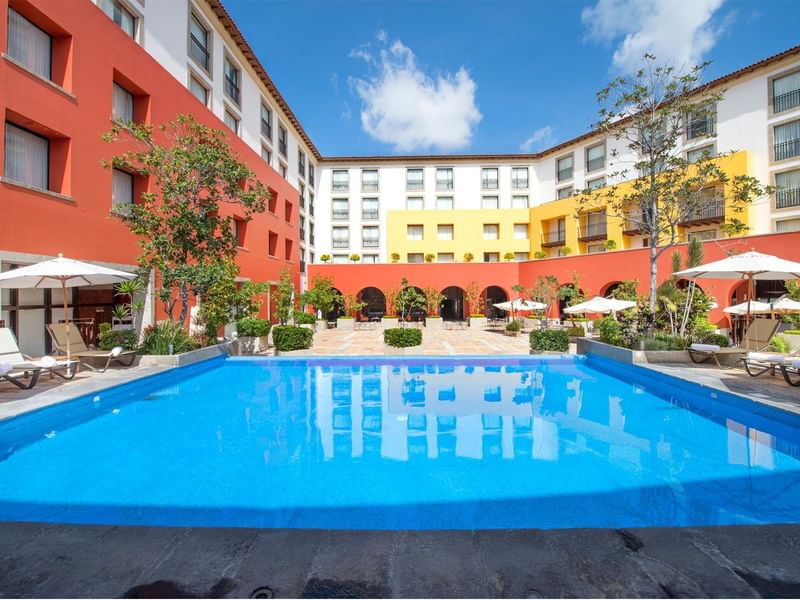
x,y
465,443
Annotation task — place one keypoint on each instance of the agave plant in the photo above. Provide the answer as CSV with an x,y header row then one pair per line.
x,y
121,312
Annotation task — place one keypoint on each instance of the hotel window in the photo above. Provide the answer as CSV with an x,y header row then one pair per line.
x,y
415,180
414,203
341,237
787,225
700,123
706,234
444,179
694,155
198,89
369,209
445,257
519,178
786,92
311,174
283,170
444,203
233,82
301,196
415,232
283,143
596,157
340,181
414,257
232,121
564,168
519,202
369,180
491,257
26,157
520,256
491,231
489,202
444,232
121,104
238,229
29,45
301,164
339,259
787,140
520,231
596,184
118,13
489,178
266,154
121,188
370,236
564,192
369,259
788,189
199,38
341,209
595,248
266,122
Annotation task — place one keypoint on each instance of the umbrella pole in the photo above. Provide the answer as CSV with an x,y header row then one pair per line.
x,y
66,322
749,304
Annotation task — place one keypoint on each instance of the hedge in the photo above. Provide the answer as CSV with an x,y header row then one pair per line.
x,y
110,338
289,337
304,318
549,340
252,327
402,337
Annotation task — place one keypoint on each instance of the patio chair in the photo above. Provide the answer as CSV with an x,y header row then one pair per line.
x,y
758,337
79,349
15,367
792,368
758,363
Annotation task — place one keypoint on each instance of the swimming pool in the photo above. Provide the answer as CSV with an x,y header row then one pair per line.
x,y
404,443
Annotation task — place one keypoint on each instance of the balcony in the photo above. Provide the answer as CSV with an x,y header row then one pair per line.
x,y
788,149
787,198
593,228
551,239
631,225
713,212
786,101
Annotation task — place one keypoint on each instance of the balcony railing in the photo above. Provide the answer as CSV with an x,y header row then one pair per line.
x,y
551,239
339,215
519,184
415,186
369,215
787,198
787,149
369,186
489,184
700,127
786,101
594,229
595,164
341,243
631,224
340,186
444,186
370,243
713,212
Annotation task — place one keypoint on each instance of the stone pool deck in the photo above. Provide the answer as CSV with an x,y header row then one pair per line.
x,y
148,562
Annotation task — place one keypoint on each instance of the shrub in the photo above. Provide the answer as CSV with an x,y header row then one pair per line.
x,y
508,256
468,256
665,341
402,337
513,326
110,338
395,257
325,258
304,318
158,338
429,258
253,327
289,337
716,338
540,254
549,340
610,331
610,245
792,332
576,332
566,251
780,344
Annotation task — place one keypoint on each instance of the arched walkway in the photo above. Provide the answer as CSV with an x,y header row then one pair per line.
x,y
374,303
453,305
609,288
494,295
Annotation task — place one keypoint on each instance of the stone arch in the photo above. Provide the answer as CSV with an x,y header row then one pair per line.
x,y
374,302
607,289
453,305
492,295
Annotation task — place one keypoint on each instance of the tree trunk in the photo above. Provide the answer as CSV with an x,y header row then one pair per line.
x,y
184,305
653,287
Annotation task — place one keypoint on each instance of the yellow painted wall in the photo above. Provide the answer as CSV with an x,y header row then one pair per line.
x,y
467,232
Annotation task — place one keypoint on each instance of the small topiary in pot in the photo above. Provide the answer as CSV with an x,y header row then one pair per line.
x,y
288,338
402,337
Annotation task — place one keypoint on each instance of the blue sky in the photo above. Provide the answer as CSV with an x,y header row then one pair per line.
x,y
413,77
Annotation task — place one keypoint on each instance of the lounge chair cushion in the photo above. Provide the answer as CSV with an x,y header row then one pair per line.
x,y
4,368
765,357
116,351
705,347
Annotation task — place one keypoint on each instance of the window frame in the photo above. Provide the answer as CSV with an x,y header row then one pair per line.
x,y
334,189
452,180
48,160
485,181
266,107
209,39
369,190
135,15
114,86
283,140
527,178
19,60
771,90
422,180
571,155
587,160
228,59
235,116
194,76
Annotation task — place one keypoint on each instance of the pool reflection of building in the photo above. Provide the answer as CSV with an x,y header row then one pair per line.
x,y
399,412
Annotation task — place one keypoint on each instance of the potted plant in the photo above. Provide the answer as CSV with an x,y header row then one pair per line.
x,y
468,257
395,257
389,320
351,305
429,258
508,256
610,245
322,296
472,294
304,319
513,328
325,258
292,340
354,258
540,254
253,335
433,301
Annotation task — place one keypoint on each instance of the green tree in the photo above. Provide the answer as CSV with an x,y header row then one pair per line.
x,y
321,295
545,290
408,298
472,294
433,300
182,233
648,113
284,297
227,300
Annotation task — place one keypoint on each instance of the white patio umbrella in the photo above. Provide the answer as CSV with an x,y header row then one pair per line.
x,y
786,305
754,306
600,305
62,273
520,305
748,266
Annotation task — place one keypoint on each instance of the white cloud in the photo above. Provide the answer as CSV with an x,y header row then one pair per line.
x,y
678,32
539,139
404,106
